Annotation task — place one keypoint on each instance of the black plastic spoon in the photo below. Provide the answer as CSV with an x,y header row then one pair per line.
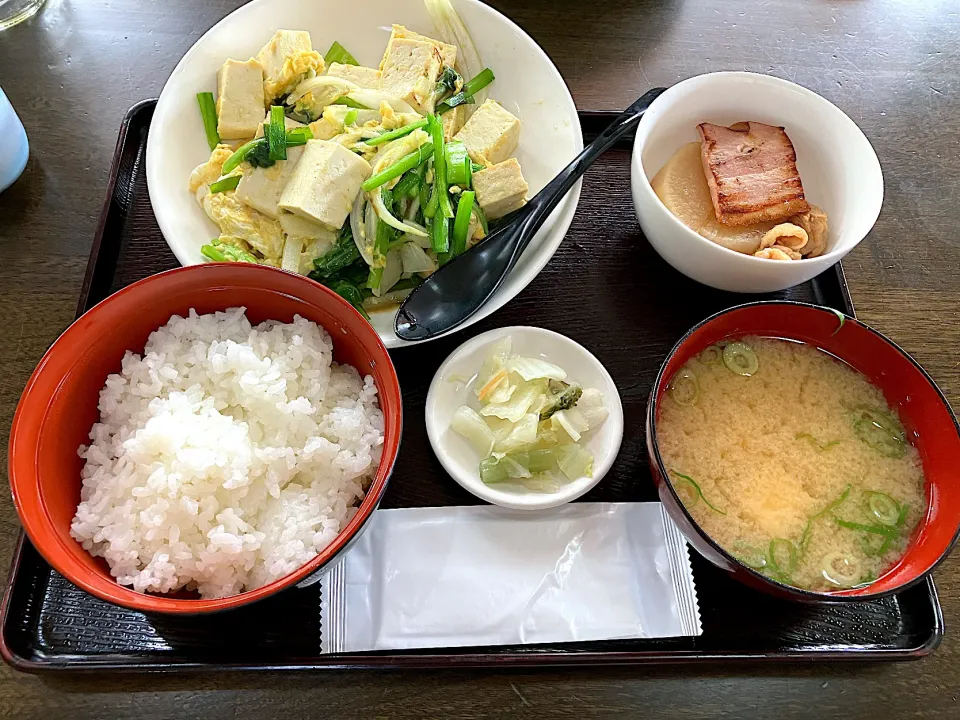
x,y
455,292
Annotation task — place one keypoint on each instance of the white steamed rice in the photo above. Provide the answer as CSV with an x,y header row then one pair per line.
x,y
227,456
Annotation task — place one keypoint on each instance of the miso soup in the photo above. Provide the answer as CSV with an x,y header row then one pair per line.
x,y
791,461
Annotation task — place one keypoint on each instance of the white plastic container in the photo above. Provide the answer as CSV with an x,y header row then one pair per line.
x,y
14,149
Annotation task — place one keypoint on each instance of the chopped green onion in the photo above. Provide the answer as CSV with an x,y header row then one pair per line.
x,y
875,529
222,252
843,319
459,170
740,359
351,117
276,133
840,569
410,183
482,218
225,184
712,355
749,555
461,224
687,491
683,388
350,103
384,233
782,556
817,443
294,137
299,136
239,155
407,162
374,278
440,184
470,88
888,445
339,54
883,507
871,549
881,431
208,111
831,506
439,233
213,253
398,133
902,518
691,481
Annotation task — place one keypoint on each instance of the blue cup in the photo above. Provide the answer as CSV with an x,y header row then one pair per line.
x,y
14,148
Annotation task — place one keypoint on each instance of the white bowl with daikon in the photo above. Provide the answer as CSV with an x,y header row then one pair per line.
x,y
524,418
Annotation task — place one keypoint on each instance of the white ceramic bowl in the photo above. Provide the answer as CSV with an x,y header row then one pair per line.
x,y
527,84
452,387
837,164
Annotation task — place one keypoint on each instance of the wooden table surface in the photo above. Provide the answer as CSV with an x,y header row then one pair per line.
x,y
893,66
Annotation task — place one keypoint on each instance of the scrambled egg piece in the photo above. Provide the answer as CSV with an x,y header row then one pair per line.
x,y
239,224
295,69
209,171
236,220
390,119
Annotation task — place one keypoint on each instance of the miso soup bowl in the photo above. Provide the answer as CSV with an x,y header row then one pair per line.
x,y
929,422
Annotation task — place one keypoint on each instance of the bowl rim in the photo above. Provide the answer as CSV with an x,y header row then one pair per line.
x,y
26,490
795,593
494,496
562,216
643,182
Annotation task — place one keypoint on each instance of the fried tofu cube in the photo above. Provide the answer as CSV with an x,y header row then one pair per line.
x,y
287,59
452,121
357,74
448,53
491,134
500,189
306,230
260,188
410,72
324,183
239,99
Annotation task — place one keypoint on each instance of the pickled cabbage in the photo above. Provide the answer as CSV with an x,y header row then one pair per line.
x,y
466,422
525,398
592,408
571,421
495,361
528,421
523,433
574,461
535,369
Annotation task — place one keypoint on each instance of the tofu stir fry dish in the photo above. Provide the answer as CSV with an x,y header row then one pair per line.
x,y
366,179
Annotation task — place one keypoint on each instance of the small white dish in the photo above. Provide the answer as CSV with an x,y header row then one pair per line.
x,y
837,164
452,387
527,84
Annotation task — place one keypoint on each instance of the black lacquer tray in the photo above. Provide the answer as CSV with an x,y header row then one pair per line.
x,y
605,288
